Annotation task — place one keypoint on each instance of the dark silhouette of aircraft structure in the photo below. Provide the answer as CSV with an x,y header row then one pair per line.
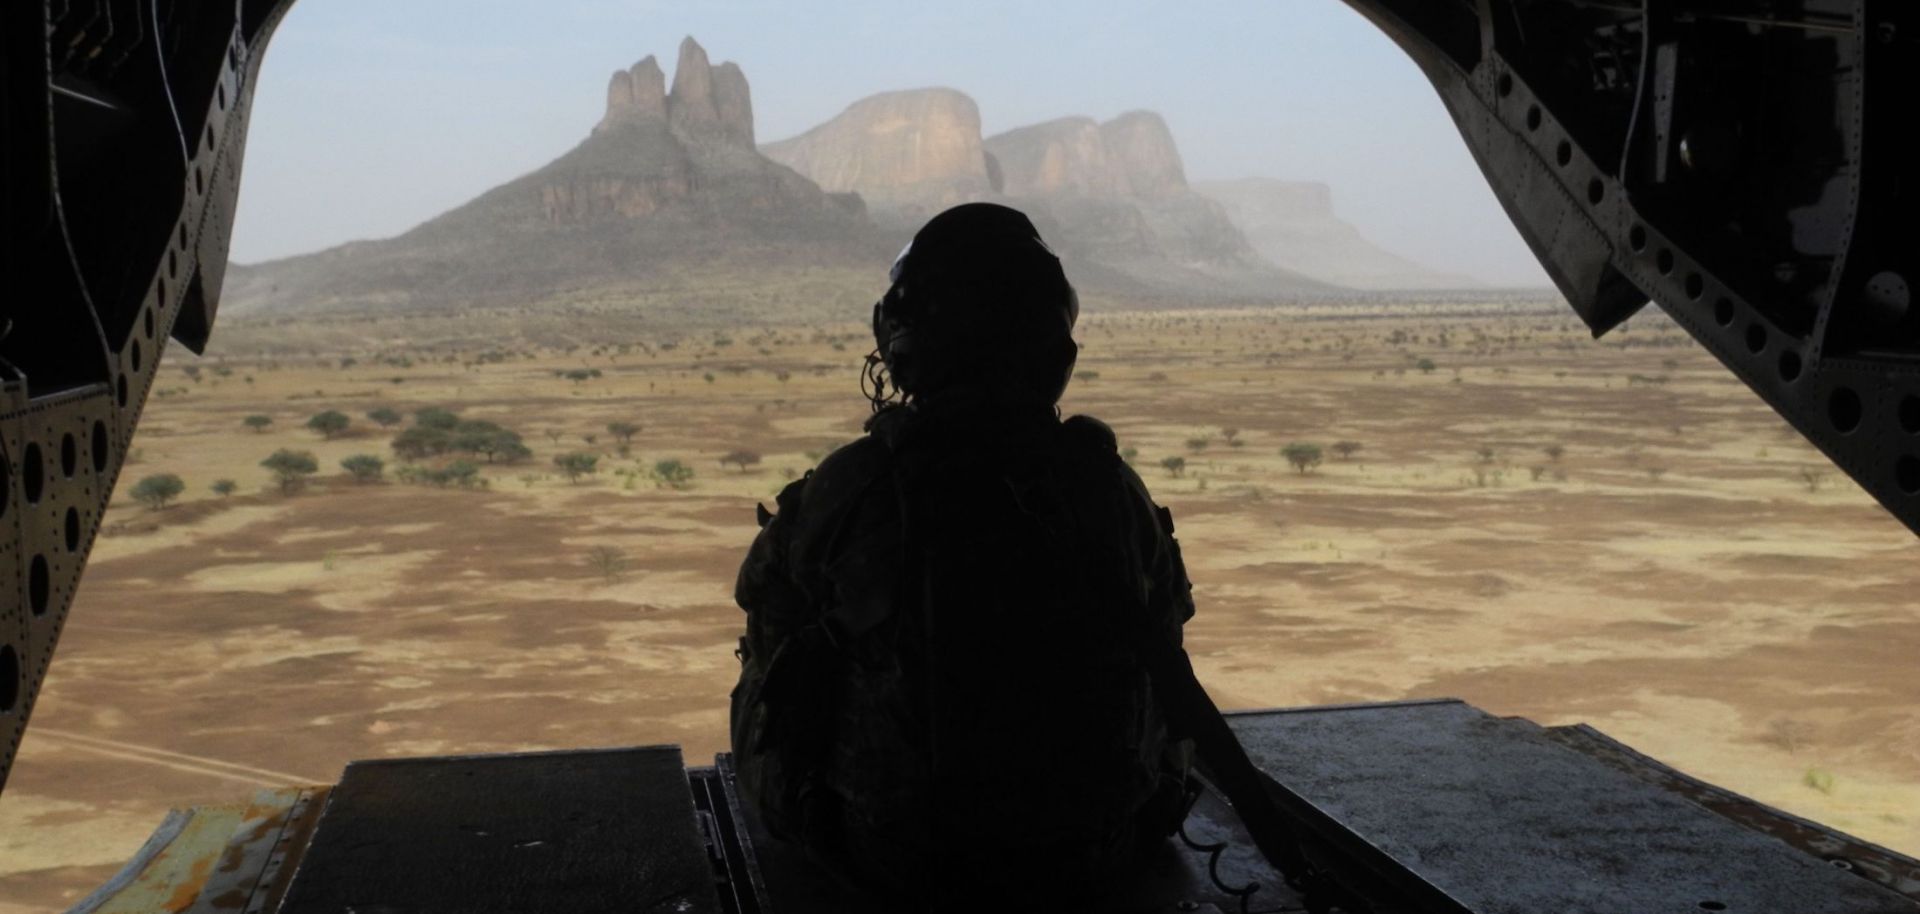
x,y
1751,166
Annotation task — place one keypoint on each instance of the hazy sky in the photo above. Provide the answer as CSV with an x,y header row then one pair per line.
x,y
374,115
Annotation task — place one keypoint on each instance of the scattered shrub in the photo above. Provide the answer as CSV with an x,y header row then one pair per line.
x,y
364,467
329,423
291,468
576,464
1303,455
156,490
672,473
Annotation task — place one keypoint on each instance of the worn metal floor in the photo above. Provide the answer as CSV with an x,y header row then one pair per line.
x,y
1420,806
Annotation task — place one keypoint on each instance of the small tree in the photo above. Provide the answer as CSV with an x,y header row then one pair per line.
x,y
224,487
1346,449
364,467
1426,366
1175,466
1303,455
329,423
1485,454
291,468
462,473
672,473
577,464
1554,452
257,422
611,563
421,441
1232,436
435,417
384,417
742,459
1812,478
156,490
1199,444
623,431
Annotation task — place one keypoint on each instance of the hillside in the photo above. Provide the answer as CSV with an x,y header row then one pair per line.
x,y
669,182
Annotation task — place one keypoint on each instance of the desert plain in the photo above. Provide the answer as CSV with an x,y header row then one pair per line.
x,y
1614,532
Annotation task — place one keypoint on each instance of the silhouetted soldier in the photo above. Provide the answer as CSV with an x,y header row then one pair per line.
x,y
962,669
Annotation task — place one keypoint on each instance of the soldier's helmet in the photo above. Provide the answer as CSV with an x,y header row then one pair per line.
x,y
978,299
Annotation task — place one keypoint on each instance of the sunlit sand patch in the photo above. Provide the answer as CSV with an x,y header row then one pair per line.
x,y
346,581
127,545
660,589
409,748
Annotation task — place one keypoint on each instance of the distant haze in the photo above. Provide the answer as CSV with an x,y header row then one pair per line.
x,y
373,117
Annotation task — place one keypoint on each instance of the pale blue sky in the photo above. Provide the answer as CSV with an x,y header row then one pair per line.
x,y
374,115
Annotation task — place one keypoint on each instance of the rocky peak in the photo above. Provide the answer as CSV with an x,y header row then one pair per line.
x,y
709,103
734,104
636,94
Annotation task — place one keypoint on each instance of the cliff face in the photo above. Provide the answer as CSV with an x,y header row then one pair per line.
x,y
1111,197
1132,155
667,177
1293,225
908,154
1117,194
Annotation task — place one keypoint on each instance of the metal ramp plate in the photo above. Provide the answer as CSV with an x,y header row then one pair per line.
x,y
576,832
1469,812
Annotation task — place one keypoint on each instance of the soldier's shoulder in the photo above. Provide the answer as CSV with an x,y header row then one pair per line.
x,y
857,458
845,472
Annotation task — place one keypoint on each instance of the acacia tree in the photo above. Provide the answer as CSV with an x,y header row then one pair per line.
x,y
576,464
384,417
257,422
623,431
364,467
672,473
329,423
1346,449
225,487
291,468
435,417
1303,455
156,490
1175,466
611,563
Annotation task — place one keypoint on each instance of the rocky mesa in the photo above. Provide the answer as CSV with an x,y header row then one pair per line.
x,y
1112,197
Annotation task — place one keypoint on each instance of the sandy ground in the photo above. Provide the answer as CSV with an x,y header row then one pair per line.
x,y
1671,577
